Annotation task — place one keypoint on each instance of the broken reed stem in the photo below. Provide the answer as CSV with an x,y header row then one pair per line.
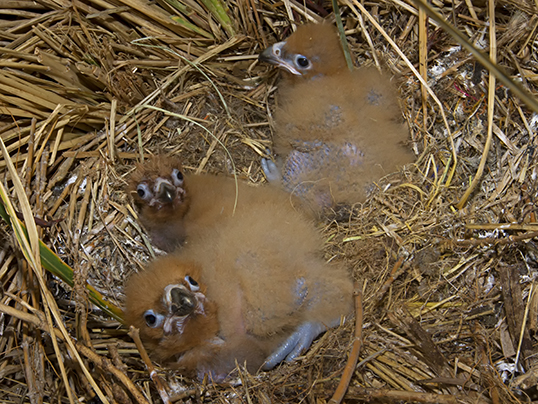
x,y
135,335
351,364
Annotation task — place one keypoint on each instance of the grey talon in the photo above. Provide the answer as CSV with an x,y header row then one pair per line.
x,y
297,343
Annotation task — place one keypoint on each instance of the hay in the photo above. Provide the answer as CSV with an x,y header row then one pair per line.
x,y
449,297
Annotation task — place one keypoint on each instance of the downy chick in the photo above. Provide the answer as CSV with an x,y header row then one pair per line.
x,y
337,131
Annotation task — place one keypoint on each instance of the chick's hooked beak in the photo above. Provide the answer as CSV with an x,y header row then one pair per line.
x,y
181,304
181,301
166,192
276,55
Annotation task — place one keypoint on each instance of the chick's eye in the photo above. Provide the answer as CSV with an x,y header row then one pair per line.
x,y
192,283
143,191
153,320
302,61
177,177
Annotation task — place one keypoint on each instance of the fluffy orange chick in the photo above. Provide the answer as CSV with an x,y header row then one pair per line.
x,y
174,205
267,293
337,130
179,324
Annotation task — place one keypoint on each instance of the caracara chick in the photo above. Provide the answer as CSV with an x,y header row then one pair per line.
x,y
336,131
253,290
174,205
178,323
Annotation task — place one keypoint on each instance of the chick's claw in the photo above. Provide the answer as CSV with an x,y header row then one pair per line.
x,y
296,343
271,171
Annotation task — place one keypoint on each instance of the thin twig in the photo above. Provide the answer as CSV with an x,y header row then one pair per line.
x,y
394,274
351,364
108,366
135,335
491,109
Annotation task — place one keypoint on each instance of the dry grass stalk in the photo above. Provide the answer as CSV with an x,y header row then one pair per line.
x,y
355,350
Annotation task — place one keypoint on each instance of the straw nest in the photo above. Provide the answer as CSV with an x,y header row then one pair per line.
x,y
443,252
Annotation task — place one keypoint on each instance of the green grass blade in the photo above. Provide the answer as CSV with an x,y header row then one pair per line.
x,y
342,35
191,26
52,263
220,12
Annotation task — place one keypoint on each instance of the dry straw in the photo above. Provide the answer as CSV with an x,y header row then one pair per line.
x,y
446,247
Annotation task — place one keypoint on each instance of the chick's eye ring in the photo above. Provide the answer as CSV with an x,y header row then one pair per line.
x,y
177,177
143,191
302,61
153,320
192,284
